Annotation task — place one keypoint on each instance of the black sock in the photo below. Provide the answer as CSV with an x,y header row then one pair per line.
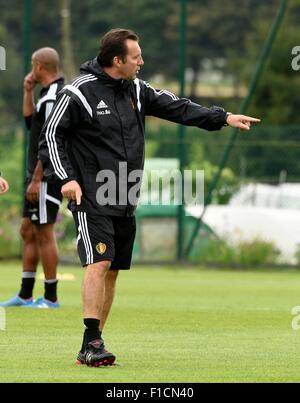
x,y
51,290
91,332
26,288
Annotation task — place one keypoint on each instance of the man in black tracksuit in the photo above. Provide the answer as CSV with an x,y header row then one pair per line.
x,y
96,127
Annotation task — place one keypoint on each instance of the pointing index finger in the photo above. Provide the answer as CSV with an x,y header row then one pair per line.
x,y
78,197
249,119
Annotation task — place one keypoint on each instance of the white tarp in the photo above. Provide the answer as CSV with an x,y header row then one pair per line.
x,y
286,195
235,223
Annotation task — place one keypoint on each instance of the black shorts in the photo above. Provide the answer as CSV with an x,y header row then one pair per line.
x,y
105,238
46,209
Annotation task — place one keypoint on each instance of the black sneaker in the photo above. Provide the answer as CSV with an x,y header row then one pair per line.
x,y
95,355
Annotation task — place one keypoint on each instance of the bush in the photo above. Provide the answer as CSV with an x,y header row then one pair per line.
x,y
246,253
10,243
297,254
257,252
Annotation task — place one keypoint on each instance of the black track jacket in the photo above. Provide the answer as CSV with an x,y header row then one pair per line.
x,y
98,122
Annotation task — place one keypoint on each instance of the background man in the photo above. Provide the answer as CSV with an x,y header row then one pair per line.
x,y
42,199
101,118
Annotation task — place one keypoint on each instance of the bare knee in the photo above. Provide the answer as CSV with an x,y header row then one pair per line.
x,y
45,234
100,268
27,230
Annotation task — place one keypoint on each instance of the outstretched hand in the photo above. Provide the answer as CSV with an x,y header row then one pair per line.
x,y
72,191
241,122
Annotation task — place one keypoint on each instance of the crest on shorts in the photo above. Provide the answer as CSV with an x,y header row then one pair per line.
x,y
101,248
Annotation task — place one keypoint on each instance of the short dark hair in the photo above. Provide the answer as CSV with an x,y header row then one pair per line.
x,y
113,44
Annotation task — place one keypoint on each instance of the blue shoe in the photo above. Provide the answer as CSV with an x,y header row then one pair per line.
x,y
16,301
42,303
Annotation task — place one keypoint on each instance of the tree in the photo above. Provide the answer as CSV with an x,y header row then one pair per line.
x,y
277,102
146,17
216,31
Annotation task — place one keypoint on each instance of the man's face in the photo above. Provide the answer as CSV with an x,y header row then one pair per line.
x,y
130,68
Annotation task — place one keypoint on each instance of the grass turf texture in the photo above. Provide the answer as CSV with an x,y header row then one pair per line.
x,y
167,325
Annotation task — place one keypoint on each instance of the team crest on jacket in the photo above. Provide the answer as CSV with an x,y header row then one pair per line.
x,y
101,248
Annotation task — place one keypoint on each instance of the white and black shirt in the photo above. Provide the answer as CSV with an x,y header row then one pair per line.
x,y
36,121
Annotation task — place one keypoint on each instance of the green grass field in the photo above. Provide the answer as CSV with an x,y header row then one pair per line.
x,y
167,325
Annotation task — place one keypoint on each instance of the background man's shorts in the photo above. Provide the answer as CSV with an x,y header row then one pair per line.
x,y
105,238
46,209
